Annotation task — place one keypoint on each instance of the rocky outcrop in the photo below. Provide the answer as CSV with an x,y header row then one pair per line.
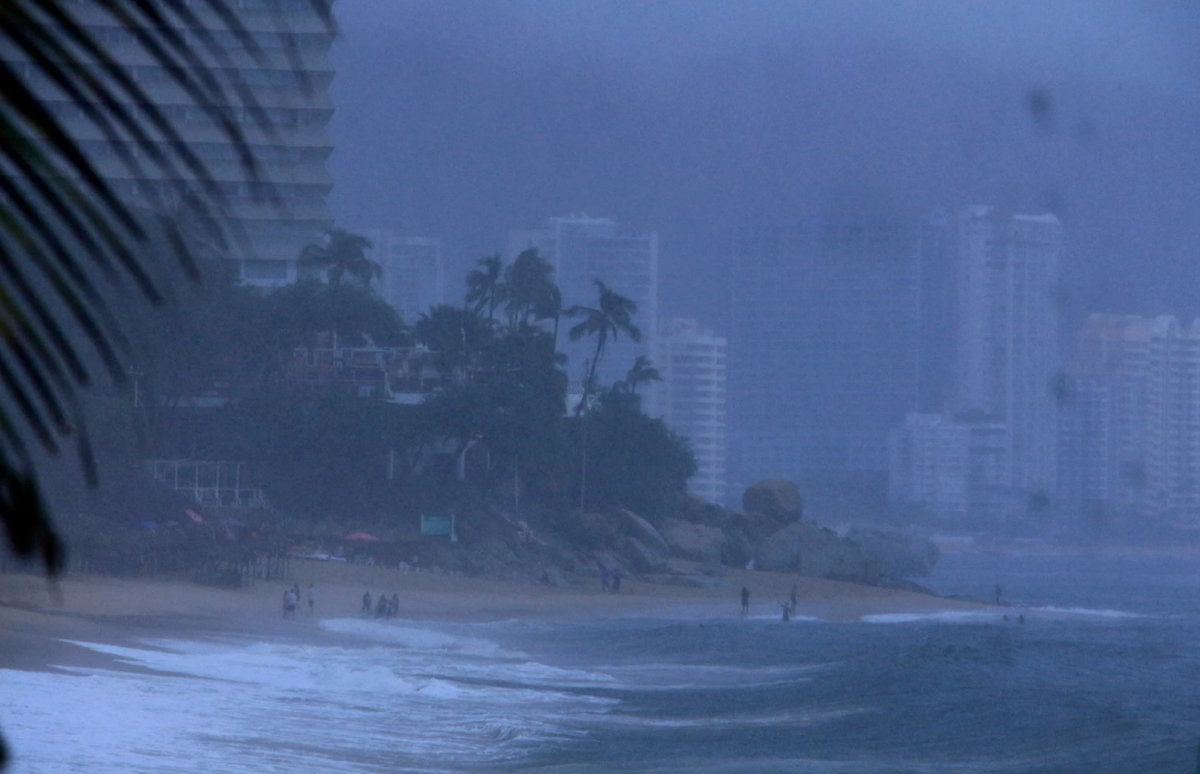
x,y
629,524
806,549
697,542
641,557
897,554
776,499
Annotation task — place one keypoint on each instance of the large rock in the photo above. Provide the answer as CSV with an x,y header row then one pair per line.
x,y
775,498
629,524
897,554
697,542
699,511
807,549
641,557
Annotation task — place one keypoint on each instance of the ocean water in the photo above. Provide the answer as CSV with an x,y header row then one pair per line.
x,y
1103,676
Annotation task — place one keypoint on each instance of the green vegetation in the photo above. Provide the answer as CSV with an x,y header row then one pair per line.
x,y
229,375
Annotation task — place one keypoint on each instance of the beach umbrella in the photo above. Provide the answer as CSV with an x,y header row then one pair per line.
x,y
361,537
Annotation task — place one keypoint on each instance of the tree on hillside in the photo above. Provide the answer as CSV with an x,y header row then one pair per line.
x,y
632,460
340,254
486,289
456,335
612,316
641,372
296,313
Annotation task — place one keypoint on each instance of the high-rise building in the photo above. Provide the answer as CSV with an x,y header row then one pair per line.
x,y
1130,432
952,470
1104,417
413,276
583,250
825,355
292,90
1007,344
691,398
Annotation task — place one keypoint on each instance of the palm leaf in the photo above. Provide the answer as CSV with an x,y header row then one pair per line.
x,y
63,227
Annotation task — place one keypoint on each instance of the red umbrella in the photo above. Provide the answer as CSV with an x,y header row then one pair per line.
x,y
362,537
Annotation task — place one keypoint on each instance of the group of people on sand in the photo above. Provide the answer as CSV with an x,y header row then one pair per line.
x,y
291,600
788,608
384,607
610,580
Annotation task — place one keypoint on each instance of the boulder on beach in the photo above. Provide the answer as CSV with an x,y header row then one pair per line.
x,y
807,549
697,542
774,498
899,555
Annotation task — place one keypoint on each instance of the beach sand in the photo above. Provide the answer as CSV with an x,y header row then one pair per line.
x,y
38,618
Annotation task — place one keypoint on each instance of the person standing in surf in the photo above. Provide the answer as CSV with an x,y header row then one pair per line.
x,y
745,601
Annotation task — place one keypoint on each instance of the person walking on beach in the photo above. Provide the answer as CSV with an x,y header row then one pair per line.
x,y
312,598
745,601
998,594
394,605
381,609
787,610
366,602
289,603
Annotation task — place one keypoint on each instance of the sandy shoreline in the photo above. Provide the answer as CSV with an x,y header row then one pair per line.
x,y
38,619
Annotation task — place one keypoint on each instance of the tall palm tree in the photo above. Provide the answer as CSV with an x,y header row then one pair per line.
x,y
529,286
485,285
612,316
641,372
340,253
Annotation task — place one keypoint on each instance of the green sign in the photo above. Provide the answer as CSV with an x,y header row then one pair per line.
x,y
435,525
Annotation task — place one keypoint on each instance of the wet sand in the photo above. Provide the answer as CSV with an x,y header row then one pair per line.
x,y
38,619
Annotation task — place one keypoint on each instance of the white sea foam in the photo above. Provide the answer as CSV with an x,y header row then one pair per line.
x,y
983,616
416,638
944,616
235,706
1084,612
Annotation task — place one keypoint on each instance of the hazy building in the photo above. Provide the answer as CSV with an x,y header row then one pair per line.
x,y
583,250
1173,422
691,397
825,357
1104,418
951,470
413,275
1007,343
293,91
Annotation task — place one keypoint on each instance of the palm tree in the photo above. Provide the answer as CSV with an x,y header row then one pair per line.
x,y
641,372
529,286
612,316
340,253
63,225
456,335
485,285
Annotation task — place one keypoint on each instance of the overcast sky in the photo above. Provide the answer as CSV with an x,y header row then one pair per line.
x,y
464,119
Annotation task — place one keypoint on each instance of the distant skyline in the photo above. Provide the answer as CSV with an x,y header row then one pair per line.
x,y
465,120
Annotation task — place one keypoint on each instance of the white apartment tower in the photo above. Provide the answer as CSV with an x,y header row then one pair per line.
x,y
413,274
1007,347
691,398
1130,428
583,250
292,89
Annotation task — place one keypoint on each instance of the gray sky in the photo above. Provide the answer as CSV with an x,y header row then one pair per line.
x,y
463,119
